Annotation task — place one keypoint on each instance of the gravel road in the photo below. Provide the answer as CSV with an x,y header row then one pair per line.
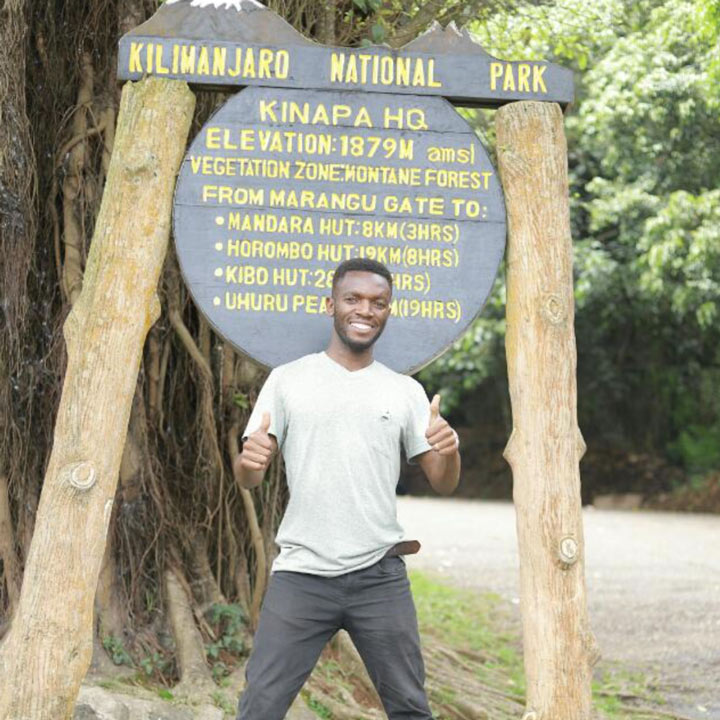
x,y
653,583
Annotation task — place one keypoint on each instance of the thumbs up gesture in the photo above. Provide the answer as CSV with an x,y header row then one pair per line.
x,y
259,447
440,435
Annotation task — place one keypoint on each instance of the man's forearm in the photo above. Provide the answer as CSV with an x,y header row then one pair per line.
x,y
443,472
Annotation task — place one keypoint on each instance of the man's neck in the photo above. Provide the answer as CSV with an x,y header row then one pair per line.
x,y
338,351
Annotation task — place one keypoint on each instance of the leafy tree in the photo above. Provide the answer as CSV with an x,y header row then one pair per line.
x,y
643,144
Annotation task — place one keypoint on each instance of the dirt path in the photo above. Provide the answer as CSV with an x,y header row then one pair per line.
x,y
653,583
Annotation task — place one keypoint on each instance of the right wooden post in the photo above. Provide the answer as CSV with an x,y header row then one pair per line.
x,y
546,445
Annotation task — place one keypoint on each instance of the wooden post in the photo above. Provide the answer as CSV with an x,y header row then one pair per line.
x,y
545,447
47,652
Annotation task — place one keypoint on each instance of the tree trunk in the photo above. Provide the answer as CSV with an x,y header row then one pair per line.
x,y
47,651
545,446
11,569
18,188
190,651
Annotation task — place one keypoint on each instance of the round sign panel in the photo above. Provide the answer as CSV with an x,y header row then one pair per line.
x,y
280,186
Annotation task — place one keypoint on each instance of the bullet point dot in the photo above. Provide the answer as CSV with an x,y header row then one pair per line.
x,y
218,246
218,272
216,301
219,220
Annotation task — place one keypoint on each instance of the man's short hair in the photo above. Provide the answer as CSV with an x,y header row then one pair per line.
x,y
361,265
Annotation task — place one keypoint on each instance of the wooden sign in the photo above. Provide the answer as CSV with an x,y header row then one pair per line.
x,y
235,43
282,185
332,153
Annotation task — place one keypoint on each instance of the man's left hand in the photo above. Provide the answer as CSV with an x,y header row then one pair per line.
x,y
440,435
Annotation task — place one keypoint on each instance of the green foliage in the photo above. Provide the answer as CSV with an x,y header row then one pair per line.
x,y
680,260
643,145
471,620
221,700
241,400
708,21
155,666
116,650
698,447
318,708
229,624
475,357
367,7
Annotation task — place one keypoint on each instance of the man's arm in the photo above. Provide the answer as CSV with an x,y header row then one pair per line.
x,y
250,465
441,465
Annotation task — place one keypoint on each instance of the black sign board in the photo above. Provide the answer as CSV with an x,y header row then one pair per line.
x,y
281,185
242,43
332,153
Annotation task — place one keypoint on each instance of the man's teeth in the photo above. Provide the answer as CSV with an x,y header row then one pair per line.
x,y
360,326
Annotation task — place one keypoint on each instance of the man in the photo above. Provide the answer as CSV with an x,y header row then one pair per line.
x,y
340,419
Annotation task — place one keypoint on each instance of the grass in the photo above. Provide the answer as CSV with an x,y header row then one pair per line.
x,y
481,622
469,620
484,625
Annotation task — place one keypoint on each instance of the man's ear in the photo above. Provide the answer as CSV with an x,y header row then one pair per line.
x,y
330,306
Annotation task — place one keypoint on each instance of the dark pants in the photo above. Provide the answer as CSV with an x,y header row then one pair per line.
x,y
302,612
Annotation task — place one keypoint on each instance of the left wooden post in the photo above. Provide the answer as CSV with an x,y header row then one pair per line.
x,y
47,651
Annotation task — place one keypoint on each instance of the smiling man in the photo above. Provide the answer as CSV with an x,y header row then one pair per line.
x,y
340,419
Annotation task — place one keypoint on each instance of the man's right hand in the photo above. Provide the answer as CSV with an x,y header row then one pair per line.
x,y
257,453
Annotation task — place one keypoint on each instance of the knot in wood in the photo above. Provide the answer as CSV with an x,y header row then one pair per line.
x,y
81,475
568,550
554,308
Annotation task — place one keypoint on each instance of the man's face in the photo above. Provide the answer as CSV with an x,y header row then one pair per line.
x,y
360,306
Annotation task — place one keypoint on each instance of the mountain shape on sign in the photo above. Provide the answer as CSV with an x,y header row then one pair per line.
x,y
247,21
242,21
435,41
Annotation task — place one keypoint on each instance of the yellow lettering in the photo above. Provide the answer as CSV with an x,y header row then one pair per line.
x,y
175,59
419,74
212,138
340,113
389,118
538,82
135,62
282,64
265,58
203,64
375,60
321,116
402,71
219,58
160,69
249,69
524,77
432,82
509,79
351,75
363,118
416,119
227,143
187,60
337,65
149,58
386,70
496,70
235,71
247,139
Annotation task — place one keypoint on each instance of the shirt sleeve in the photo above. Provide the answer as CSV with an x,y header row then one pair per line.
x,y
269,400
416,423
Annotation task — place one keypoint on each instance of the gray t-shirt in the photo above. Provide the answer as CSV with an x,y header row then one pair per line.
x,y
340,433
